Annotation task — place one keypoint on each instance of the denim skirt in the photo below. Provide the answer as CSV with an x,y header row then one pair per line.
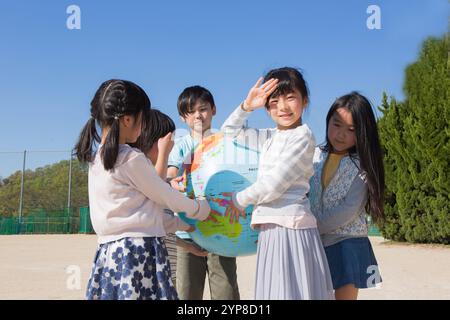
x,y
352,261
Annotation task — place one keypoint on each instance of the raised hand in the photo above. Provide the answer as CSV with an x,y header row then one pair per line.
x,y
165,144
257,96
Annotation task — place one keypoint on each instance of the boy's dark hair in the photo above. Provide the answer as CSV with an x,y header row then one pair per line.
x,y
367,148
290,79
113,99
190,96
155,125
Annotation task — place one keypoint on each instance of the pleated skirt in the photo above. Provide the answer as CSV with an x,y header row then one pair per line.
x,y
291,265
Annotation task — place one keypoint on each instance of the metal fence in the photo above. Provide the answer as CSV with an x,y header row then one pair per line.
x,y
33,184
65,221
22,207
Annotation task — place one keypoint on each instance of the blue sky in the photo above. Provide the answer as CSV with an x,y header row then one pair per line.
x,y
49,73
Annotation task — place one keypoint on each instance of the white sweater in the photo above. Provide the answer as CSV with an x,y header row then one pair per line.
x,y
129,200
285,167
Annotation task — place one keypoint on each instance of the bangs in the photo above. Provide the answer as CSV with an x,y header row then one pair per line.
x,y
285,86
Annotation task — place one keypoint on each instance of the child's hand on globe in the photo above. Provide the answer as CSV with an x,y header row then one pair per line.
x,y
212,216
232,211
191,229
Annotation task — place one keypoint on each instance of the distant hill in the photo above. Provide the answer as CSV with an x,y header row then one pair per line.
x,y
44,188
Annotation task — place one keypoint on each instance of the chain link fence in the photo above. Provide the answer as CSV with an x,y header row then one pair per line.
x,y
71,220
45,192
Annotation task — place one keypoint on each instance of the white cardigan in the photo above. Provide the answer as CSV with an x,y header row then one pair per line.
x,y
129,200
285,167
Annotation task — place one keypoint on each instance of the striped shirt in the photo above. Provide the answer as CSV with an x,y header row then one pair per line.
x,y
279,194
171,245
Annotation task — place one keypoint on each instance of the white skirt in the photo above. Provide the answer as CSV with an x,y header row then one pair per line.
x,y
291,265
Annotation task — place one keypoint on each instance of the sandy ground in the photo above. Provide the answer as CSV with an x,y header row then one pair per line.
x,y
58,267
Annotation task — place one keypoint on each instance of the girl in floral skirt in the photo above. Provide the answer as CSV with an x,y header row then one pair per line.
x,y
126,199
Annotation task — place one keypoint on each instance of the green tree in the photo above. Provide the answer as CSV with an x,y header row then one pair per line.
x,y
415,134
44,188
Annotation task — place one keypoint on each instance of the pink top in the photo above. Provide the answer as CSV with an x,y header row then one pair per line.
x,y
129,200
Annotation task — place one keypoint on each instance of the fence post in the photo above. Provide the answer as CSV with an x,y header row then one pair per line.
x,y
21,191
70,181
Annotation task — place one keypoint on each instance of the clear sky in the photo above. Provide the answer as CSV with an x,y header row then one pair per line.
x,y
49,73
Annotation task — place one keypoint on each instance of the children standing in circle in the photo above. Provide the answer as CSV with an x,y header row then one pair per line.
x,y
349,182
291,262
126,197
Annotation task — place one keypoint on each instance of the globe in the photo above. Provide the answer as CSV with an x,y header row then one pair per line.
x,y
219,166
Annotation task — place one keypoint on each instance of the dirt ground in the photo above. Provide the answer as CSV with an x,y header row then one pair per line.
x,y
58,267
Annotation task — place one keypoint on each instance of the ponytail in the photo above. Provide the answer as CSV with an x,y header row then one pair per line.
x,y
110,149
114,99
89,135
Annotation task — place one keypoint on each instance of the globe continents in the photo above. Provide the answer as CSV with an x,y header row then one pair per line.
x,y
220,166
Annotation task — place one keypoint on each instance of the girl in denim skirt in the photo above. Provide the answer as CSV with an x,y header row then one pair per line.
x,y
348,183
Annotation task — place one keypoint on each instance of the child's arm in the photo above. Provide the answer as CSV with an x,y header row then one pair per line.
x,y
234,124
139,172
234,127
339,216
192,248
165,145
256,98
172,172
173,223
295,161
175,162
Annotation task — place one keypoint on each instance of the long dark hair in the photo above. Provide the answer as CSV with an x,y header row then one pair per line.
x,y
114,99
155,125
367,148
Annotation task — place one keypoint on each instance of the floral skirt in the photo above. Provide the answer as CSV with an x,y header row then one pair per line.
x,y
131,269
